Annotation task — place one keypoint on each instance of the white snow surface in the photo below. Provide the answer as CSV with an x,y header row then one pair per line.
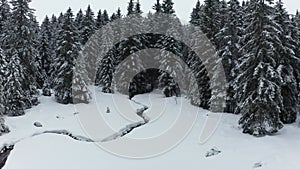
x,y
52,151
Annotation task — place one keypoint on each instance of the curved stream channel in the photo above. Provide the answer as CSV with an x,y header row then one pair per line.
x,y
5,151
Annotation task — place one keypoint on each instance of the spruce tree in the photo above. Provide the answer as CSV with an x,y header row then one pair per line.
x,y
210,20
105,17
79,20
288,65
130,8
67,52
105,72
196,15
45,55
80,91
88,25
4,13
99,21
16,99
157,7
258,82
21,41
3,74
137,8
119,14
167,7
228,41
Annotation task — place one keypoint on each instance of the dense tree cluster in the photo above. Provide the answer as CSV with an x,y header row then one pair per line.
x,y
257,43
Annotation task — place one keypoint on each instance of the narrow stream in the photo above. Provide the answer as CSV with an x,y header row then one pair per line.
x,y
5,151
129,128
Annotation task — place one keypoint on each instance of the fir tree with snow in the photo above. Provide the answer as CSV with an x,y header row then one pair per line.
x,y
67,52
259,82
229,44
88,25
16,99
167,7
45,51
157,6
130,8
196,14
21,41
4,13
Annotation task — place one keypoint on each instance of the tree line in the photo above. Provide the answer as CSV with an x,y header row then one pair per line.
x,y
257,42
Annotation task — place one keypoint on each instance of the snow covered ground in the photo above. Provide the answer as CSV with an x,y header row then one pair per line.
x,y
227,148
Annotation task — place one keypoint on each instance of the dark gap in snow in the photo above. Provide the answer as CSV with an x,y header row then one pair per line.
x,y
4,153
66,133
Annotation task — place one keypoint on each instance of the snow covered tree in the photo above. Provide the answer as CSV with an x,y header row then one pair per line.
x,y
259,83
113,17
119,14
4,13
210,22
98,21
88,25
228,41
137,8
288,65
167,7
16,99
196,15
130,8
55,27
80,91
21,41
79,21
3,73
157,7
105,73
45,54
67,52
105,17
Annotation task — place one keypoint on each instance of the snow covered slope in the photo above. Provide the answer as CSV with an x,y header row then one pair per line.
x,y
227,148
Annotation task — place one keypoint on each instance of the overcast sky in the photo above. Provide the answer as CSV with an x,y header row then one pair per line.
x,y
183,7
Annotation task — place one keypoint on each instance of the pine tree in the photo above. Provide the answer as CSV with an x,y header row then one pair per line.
x,y
210,20
79,20
4,13
196,15
16,99
119,14
80,91
105,17
228,39
113,17
258,84
157,7
45,55
3,75
167,7
137,9
67,52
21,41
130,8
55,26
99,22
104,74
287,66
88,25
